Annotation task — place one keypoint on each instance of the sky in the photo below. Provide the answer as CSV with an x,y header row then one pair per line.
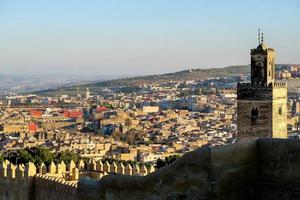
x,y
136,37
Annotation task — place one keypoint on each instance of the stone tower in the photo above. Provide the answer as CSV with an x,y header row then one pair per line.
x,y
87,93
262,104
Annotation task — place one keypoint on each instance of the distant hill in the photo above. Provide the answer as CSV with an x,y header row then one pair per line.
x,y
192,74
24,83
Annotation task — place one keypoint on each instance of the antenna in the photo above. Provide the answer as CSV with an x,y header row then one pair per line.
x,y
258,35
262,37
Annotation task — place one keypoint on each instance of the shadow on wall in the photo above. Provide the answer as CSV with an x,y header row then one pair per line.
x,y
257,169
254,169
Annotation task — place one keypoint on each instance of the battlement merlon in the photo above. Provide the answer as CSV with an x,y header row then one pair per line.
x,y
279,84
264,48
271,85
57,184
71,172
248,91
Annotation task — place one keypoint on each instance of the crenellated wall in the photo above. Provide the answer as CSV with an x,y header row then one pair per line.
x,y
57,181
55,188
16,182
254,169
206,173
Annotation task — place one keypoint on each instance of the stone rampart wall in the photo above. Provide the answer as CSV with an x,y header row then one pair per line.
x,y
50,188
207,173
253,169
56,181
261,169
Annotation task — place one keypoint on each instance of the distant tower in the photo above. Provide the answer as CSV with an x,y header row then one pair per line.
x,y
87,94
262,104
77,90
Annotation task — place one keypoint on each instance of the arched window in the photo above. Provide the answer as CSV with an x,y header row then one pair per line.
x,y
280,110
254,115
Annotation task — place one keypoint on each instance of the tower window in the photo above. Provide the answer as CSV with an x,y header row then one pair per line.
x,y
280,110
254,115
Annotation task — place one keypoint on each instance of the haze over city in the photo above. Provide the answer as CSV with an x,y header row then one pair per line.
x,y
149,99
141,37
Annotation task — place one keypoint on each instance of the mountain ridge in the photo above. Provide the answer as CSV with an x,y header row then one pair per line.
x,y
184,75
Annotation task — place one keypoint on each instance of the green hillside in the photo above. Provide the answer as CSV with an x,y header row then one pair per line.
x,y
192,74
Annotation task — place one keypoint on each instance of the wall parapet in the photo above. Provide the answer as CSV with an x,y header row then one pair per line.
x,y
55,184
279,84
253,169
264,168
18,172
72,172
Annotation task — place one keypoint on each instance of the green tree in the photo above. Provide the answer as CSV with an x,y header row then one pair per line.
x,y
20,156
41,154
24,156
160,163
168,160
66,156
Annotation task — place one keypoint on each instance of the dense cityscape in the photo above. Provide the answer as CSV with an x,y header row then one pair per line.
x,y
149,100
152,122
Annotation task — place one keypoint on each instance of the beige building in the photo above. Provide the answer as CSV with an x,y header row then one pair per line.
x,y
150,109
262,104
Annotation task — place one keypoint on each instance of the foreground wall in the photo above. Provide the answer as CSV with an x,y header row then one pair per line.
x,y
57,181
16,182
12,189
279,169
255,169
262,169
48,188
207,173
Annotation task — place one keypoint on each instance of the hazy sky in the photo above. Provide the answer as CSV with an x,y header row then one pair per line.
x,y
123,37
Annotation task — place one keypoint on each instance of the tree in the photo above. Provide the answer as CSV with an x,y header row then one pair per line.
x,y
41,154
20,156
171,159
66,156
160,163
23,156
37,155
168,160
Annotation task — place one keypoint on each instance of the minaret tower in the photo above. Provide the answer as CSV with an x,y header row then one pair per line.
x,y
262,65
87,93
262,104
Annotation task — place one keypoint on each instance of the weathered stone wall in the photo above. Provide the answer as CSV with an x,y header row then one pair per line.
x,y
255,169
262,127
271,104
12,189
207,173
57,125
262,169
280,111
16,182
279,165
59,181
49,188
